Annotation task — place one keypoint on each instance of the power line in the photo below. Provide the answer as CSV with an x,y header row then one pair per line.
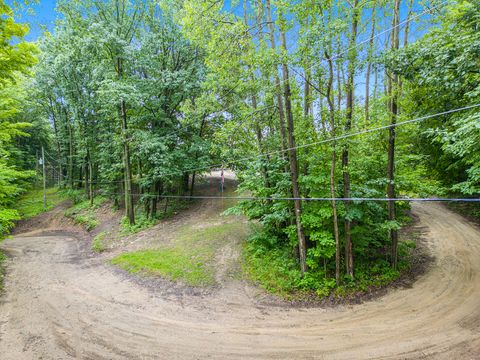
x,y
336,138
335,57
357,199
332,139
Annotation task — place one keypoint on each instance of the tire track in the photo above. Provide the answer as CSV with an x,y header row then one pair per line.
x,y
60,305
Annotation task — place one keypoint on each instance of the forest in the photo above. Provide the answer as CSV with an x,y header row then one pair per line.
x,y
334,117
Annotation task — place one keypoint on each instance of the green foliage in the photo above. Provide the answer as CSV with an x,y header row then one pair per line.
x,y
75,195
7,220
145,66
98,242
87,220
31,203
142,222
158,91
83,213
441,70
467,209
17,57
276,269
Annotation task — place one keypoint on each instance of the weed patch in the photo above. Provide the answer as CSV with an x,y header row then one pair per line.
x,y
83,213
190,259
97,243
143,222
469,210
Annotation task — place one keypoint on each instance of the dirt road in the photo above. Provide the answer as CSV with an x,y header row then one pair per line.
x,y
61,303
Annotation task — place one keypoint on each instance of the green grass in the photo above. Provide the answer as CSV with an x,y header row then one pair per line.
x,y
31,203
98,243
190,259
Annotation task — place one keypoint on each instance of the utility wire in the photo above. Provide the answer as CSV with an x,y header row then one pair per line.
x,y
335,57
340,54
334,138
271,198
362,132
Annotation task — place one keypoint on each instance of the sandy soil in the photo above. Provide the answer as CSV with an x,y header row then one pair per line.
x,y
61,303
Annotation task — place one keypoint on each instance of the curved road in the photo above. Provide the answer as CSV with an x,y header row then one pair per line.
x,y
60,304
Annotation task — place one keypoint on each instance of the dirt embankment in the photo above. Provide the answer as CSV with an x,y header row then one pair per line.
x,y
61,302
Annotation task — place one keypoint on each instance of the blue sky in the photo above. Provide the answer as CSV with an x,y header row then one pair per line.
x,y
43,15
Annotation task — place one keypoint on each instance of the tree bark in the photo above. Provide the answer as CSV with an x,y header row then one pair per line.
x,y
302,250
90,182
129,210
345,155
331,109
70,158
278,89
258,130
393,92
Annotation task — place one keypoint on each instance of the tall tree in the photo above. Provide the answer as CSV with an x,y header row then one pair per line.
x,y
393,87
350,89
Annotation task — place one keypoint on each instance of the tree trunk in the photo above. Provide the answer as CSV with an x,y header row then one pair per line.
x,y
293,161
393,93
129,210
90,182
70,158
278,89
258,130
192,185
331,108
59,146
155,191
345,155
307,103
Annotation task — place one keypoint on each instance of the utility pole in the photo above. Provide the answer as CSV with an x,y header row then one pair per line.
x,y
44,181
37,160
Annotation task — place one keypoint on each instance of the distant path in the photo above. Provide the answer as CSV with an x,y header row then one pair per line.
x,y
61,304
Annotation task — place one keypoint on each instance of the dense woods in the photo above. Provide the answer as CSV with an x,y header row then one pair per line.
x,y
316,106
16,122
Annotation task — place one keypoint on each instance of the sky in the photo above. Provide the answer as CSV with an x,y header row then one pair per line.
x,y
43,16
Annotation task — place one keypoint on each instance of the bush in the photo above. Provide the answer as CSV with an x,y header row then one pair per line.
x,y
88,221
82,213
97,243
7,220
274,267
75,195
142,222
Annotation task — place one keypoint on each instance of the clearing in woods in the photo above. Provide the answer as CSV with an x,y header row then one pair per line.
x,y
61,302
